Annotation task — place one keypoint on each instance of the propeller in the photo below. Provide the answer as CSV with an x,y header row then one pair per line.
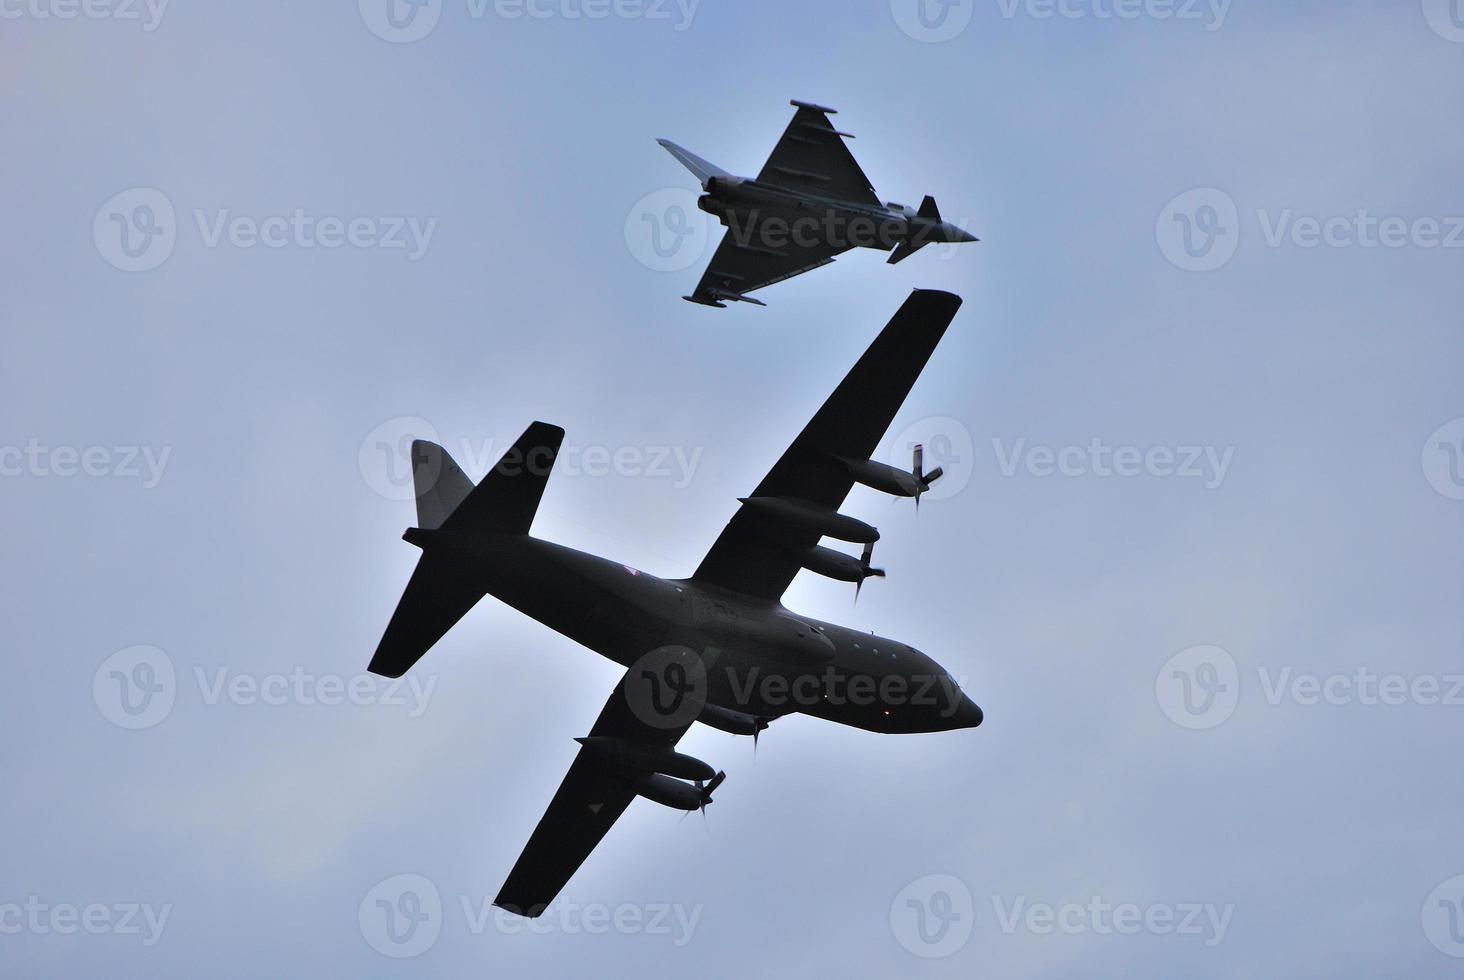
x,y
704,791
868,570
923,480
758,725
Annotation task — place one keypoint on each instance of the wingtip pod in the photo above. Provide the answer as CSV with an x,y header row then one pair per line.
x,y
812,105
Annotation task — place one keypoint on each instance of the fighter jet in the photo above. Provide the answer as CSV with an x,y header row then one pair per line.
x,y
809,203
718,647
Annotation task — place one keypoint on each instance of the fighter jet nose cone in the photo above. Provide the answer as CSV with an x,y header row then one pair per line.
x,y
962,235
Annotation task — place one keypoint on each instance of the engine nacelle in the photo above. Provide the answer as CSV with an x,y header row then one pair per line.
x,y
667,791
673,792
731,722
806,516
633,756
881,476
833,564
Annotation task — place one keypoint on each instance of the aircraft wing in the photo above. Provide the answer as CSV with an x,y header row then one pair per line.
x,y
748,260
812,156
587,804
851,423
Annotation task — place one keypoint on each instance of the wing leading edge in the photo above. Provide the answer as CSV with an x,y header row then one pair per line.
x,y
850,424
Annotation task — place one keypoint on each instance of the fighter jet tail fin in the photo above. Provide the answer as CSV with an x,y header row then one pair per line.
x,y
704,171
506,500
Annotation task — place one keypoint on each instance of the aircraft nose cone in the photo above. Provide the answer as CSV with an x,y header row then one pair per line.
x,y
961,235
969,714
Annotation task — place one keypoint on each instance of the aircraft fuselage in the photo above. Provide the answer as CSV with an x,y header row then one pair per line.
x,y
766,216
762,660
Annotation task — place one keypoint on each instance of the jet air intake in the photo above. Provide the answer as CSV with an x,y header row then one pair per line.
x,y
805,516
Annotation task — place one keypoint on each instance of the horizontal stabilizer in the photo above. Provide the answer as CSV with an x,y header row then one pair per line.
x,y
440,593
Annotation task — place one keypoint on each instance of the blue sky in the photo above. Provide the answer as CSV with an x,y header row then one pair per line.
x,y
1182,668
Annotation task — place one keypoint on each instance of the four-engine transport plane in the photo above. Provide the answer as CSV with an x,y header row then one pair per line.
x,y
809,203
719,647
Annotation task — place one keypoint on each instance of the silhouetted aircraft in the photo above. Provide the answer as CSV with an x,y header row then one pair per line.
x,y
719,647
809,203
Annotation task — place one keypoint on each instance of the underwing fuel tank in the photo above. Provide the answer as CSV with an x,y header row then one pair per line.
x,y
806,516
625,754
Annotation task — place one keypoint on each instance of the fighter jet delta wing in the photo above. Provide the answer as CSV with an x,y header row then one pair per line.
x,y
747,259
763,545
812,156
626,753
